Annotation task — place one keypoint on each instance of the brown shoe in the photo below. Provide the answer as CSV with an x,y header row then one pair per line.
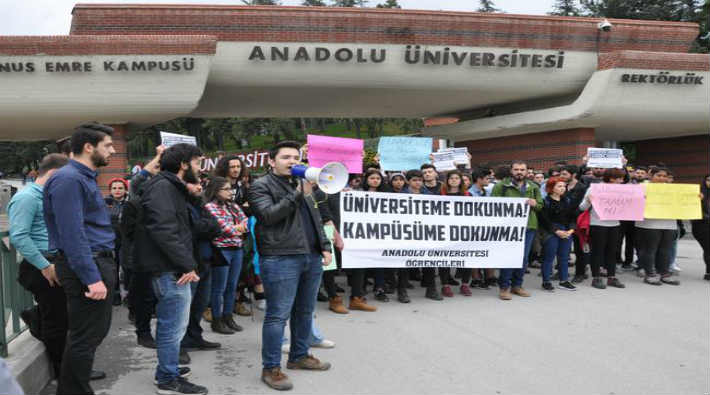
x,y
309,362
504,294
357,303
520,291
336,305
276,379
242,310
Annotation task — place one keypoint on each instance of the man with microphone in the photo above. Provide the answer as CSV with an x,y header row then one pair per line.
x,y
293,249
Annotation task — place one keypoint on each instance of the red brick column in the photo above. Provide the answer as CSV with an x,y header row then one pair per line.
x,y
539,150
688,157
118,162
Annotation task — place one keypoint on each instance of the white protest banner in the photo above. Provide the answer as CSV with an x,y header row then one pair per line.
x,y
170,139
607,158
408,230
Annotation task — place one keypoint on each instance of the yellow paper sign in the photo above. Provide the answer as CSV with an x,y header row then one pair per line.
x,y
672,201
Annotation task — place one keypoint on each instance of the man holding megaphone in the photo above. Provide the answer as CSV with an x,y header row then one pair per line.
x,y
293,249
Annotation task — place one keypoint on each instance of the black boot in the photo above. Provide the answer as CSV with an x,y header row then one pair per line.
x,y
218,326
228,320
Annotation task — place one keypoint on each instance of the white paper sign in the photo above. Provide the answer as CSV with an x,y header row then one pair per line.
x,y
170,139
408,230
443,161
607,158
460,154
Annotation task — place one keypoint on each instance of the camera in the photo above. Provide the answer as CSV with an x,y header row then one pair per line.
x,y
604,25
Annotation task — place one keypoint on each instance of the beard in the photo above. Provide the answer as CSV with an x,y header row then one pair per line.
x,y
98,160
519,177
190,177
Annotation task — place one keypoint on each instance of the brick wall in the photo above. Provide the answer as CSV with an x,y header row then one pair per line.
x,y
688,157
107,45
371,25
653,60
118,162
539,150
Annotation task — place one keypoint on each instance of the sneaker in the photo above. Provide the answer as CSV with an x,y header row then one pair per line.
x,y
402,296
614,282
492,282
381,296
321,297
432,293
675,268
667,279
182,372
261,304
652,280
309,362
627,267
534,265
180,386
598,283
547,286
447,292
520,291
478,284
578,279
325,343
276,379
640,272
147,342
465,290
566,285
286,348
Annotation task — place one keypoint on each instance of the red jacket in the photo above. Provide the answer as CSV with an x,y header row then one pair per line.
x,y
583,227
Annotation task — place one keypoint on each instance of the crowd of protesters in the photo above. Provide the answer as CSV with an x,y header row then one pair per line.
x,y
193,246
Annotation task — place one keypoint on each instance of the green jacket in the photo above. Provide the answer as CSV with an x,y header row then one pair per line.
x,y
506,188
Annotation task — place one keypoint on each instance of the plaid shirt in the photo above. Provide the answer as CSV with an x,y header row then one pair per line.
x,y
227,216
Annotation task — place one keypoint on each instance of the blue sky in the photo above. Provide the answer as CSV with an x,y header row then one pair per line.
x,y
53,17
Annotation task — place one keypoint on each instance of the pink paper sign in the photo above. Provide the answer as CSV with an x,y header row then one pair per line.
x,y
623,202
324,149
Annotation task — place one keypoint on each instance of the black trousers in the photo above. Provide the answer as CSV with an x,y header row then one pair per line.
x,y
654,247
428,274
88,324
701,232
402,278
604,239
626,233
142,301
356,279
52,306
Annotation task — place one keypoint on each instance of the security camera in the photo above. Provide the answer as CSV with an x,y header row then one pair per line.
x,y
604,25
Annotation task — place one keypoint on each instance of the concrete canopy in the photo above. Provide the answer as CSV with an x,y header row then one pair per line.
x,y
325,62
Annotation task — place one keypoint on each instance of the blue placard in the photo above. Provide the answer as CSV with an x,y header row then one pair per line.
x,y
404,153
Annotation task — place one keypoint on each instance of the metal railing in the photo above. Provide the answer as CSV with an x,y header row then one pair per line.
x,y
13,298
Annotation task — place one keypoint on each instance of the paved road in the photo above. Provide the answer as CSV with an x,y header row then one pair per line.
x,y
639,340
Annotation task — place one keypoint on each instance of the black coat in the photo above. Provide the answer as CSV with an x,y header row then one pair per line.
x,y
168,246
279,230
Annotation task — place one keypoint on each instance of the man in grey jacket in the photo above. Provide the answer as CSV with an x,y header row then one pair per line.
x,y
293,250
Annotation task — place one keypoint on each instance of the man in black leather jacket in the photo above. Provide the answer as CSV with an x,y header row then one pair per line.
x,y
293,249
167,253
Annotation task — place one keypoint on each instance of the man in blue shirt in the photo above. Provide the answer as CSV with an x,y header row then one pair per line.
x,y
79,228
28,234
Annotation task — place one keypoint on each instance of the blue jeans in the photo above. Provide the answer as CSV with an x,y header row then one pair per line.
x,y
514,277
173,312
316,335
200,300
290,285
224,282
560,248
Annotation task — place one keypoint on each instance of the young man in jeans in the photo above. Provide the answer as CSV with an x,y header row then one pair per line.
x,y
293,249
167,252
518,186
